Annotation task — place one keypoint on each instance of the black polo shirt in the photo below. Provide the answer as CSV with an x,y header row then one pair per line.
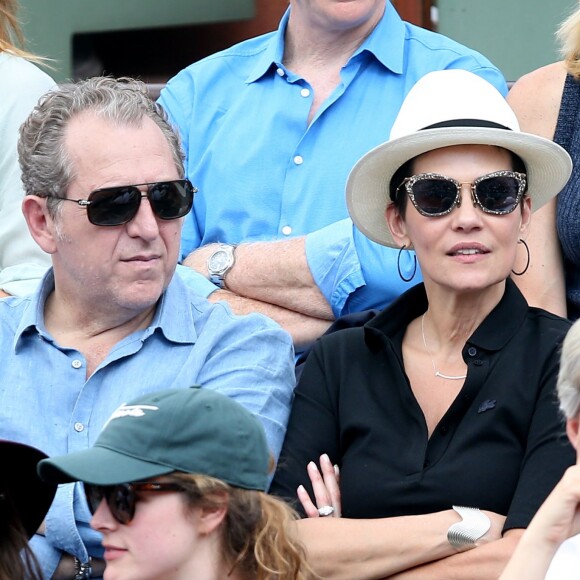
x,y
501,445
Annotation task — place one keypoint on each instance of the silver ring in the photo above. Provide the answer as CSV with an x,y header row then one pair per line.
x,y
325,511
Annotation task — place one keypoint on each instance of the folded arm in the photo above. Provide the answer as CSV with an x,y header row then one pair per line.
x,y
484,562
341,548
272,278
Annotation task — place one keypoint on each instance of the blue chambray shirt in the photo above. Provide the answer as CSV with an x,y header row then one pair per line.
x,y
46,400
263,173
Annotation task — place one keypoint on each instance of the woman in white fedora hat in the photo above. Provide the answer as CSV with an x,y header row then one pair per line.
x,y
440,412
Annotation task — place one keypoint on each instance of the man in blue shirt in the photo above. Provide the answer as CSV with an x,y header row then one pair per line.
x,y
110,320
271,129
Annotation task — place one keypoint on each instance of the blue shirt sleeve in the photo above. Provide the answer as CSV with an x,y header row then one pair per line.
x,y
194,280
47,556
261,370
355,273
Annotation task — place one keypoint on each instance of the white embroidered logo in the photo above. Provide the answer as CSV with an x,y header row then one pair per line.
x,y
131,411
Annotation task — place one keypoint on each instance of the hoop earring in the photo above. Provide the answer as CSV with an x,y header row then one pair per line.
x,y
399,265
522,241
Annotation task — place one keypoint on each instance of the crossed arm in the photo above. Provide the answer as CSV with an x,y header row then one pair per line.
x,y
405,547
272,278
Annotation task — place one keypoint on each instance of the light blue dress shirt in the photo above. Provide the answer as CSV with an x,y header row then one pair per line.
x,y
263,173
47,401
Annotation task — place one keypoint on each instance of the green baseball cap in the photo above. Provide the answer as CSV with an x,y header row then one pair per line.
x,y
191,430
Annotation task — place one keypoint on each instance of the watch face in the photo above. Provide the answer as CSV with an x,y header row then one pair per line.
x,y
219,261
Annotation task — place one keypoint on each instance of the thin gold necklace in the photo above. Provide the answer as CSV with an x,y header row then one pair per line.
x,y
437,373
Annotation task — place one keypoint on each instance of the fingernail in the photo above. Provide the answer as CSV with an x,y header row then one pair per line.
x,y
300,488
324,457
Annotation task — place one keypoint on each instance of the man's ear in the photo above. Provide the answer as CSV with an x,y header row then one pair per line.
x,y
397,225
40,223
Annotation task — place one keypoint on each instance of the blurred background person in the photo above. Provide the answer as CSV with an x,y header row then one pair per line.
x,y
271,127
176,482
22,83
24,501
550,547
547,103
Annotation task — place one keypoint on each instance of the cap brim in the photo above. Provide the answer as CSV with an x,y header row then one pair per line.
x,y
548,169
31,496
99,466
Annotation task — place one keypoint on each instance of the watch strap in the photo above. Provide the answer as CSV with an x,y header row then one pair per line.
x,y
473,525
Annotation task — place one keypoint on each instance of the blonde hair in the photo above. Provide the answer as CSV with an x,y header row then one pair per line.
x,y
11,37
257,537
568,35
569,373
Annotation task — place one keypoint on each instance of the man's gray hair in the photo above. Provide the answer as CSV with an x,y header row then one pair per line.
x,y
569,374
47,169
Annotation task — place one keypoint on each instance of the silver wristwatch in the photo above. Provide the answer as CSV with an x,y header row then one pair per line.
x,y
220,263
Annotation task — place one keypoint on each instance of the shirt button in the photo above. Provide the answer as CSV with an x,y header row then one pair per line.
x,y
298,160
305,92
471,351
79,427
478,362
77,364
286,230
280,72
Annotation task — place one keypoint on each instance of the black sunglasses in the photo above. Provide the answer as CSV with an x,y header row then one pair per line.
x,y
115,206
435,195
122,498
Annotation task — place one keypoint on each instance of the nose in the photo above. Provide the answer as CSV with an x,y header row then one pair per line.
x,y
466,214
144,224
102,518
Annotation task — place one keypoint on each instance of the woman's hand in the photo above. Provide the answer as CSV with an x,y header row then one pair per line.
x,y
325,486
559,517
557,520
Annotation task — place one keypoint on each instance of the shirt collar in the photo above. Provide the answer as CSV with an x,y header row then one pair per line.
x,y
493,333
273,53
173,316
33,314
386,42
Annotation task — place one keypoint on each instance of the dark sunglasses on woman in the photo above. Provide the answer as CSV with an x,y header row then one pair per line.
x,y
115,206
435,195
123,497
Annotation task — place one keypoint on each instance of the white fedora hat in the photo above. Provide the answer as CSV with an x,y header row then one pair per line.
x,y
445,108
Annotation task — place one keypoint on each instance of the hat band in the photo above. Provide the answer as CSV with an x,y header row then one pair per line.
x,y
466,123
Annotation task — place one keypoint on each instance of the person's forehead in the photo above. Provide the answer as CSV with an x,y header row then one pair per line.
x,y
104,153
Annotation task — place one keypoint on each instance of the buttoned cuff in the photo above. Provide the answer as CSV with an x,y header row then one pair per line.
x,y
194,280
